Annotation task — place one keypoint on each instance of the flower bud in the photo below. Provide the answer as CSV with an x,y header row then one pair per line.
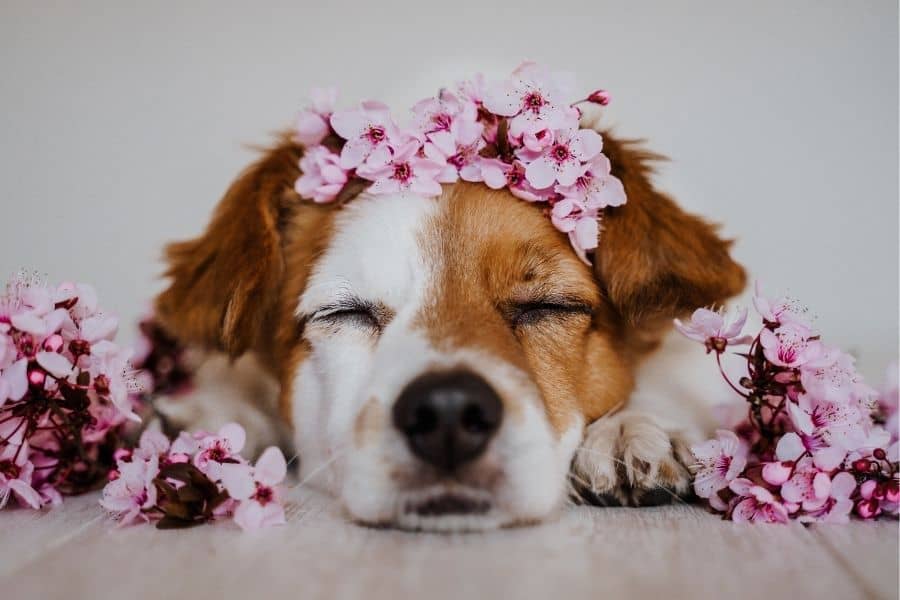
x,y
867,489
776,473
868,509
892,492
861,465
54,343
600,97
36,377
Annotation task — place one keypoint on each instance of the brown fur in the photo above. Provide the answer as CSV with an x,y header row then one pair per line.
x,y
235,287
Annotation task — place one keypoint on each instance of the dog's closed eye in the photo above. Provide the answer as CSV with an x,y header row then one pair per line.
x,y
353,312
532,312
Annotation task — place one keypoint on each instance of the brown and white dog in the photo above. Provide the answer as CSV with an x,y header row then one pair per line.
x,y
447,363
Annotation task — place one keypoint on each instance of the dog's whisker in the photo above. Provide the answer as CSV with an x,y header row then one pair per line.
x,y
322,466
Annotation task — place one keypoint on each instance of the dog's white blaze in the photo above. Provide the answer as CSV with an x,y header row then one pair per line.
x,y
376,254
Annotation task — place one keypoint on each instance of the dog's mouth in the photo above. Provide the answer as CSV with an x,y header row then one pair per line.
x,y
449,503
447,509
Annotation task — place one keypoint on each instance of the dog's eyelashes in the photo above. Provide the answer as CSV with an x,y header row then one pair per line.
x,y
358,317
532,313
353,312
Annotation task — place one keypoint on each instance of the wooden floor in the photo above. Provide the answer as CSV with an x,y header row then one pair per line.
x,y
598,553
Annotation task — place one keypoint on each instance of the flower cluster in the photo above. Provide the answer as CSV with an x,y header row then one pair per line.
x,y
518,134
817,443
65,394
196,478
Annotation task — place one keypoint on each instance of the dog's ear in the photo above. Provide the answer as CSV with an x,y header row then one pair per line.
x,y
656,261
225,282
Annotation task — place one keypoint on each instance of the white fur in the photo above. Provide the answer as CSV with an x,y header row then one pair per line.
x,y
376,254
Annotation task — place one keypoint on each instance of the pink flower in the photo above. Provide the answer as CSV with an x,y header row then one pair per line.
x,y
457,147
367,130
826,429
312,123
837,506
256,490
713,329
473,92
756,504
15,477
595,187
562,161
719,462
108,364
213,451
498,174
322,178
782,310
808,486
789,345
438,114
582,225
133,491
14,381
534,98
405,170
601,97
832,376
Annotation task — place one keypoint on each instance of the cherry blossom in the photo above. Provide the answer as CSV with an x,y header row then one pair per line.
x,y
582,225
719,462
782,310
533,97
256,490
756,504
562,161
714,330
595,188
819,445
367,129
15,477
498,174
312,125
322,177
457,147
518,134
790,345
406,171
132,491
64,390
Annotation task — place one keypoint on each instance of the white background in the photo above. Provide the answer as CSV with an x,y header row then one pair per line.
x,y
121,123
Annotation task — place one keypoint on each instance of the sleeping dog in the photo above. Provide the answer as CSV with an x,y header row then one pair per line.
x,y
443,363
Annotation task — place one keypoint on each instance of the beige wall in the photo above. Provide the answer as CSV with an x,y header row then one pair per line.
x,y
122,122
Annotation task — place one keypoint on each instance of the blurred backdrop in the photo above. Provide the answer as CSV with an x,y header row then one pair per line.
x,y
122,122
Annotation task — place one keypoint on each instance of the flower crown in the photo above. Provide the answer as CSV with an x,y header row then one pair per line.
x,y
516,134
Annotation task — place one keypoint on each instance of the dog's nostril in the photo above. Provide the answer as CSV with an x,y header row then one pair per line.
x,y
425,420
448,418
475,420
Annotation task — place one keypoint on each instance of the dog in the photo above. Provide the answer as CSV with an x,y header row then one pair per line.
x,y
443,364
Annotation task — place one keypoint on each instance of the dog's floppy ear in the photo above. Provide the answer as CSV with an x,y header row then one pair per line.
x,y
224,283
656,261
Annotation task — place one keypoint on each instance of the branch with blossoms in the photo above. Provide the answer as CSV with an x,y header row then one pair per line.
x,y
817,443
65,392
196,479
519,134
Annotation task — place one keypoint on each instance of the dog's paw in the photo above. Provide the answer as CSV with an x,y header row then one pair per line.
x,y
630,460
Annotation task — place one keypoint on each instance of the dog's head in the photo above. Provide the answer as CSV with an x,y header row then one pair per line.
x,y
440,358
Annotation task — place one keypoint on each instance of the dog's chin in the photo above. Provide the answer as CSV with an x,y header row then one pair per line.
x,y
443,509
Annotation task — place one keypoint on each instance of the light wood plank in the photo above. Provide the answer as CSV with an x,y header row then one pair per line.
x,y
671,552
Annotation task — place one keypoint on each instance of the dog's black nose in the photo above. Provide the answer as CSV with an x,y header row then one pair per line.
x,y
448,418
